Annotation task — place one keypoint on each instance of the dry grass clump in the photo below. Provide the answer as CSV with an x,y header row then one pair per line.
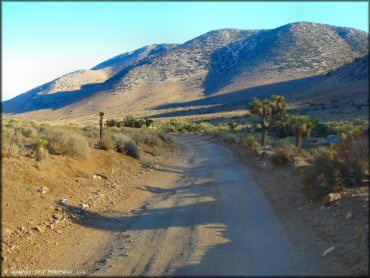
x,y
107,143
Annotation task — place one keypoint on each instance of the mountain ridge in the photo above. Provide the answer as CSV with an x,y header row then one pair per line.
x,y
217,62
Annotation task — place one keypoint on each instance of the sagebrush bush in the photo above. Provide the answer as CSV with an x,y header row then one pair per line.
x,y
353,159
125,145
283,153
29,132
65,142
343,164
10,145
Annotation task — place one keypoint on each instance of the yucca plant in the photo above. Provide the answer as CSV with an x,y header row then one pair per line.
x,y
270,111
301,127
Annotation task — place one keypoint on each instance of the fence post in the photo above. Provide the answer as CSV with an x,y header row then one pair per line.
x,y
101,114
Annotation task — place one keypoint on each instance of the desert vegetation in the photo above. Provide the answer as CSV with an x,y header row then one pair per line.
x,y
328,155
37,140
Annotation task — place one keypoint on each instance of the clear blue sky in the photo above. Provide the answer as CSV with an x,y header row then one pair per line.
x,y
42,41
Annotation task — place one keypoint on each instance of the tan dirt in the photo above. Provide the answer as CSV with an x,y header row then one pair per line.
x,y
199,212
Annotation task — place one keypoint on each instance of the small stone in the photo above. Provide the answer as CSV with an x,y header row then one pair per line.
x,y
58,216
43,190
332,197
95,177
39,228
84,206
64,201
349,216
142,172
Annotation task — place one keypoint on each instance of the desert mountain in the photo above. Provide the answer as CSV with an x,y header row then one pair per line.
x,y
227,65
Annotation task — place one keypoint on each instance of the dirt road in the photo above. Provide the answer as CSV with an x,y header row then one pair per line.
x,y
208,217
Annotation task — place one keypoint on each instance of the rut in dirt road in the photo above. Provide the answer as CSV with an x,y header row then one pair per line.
x,y
212,220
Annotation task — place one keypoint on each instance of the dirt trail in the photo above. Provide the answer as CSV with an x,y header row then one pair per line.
x,y
208,217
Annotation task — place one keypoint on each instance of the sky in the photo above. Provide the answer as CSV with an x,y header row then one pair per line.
x,y
45,40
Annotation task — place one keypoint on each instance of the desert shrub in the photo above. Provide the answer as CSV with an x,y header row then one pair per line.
x,y
343,129
63,141
353,160
283,153
125,145
225,137
29,132
10,146
112,123
180,125
147,161
39,148
90,131
131,121
40,144
146,136
250,142
323,174
157,151
106,143
343,164
206,127
281,130
320,129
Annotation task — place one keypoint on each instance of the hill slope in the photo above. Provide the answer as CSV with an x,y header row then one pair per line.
x,y
227,63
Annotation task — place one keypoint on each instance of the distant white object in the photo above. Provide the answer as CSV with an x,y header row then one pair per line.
x,y
64,201
329,250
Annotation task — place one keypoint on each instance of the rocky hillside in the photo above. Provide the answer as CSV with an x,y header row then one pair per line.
x,y
218,62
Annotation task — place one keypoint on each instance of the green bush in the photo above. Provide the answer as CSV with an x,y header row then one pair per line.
x,y
41,144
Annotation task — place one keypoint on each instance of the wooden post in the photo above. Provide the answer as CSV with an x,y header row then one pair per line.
x,y
101,114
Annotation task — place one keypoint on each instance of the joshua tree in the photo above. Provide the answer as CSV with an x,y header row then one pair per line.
x,y
269,111
301,127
